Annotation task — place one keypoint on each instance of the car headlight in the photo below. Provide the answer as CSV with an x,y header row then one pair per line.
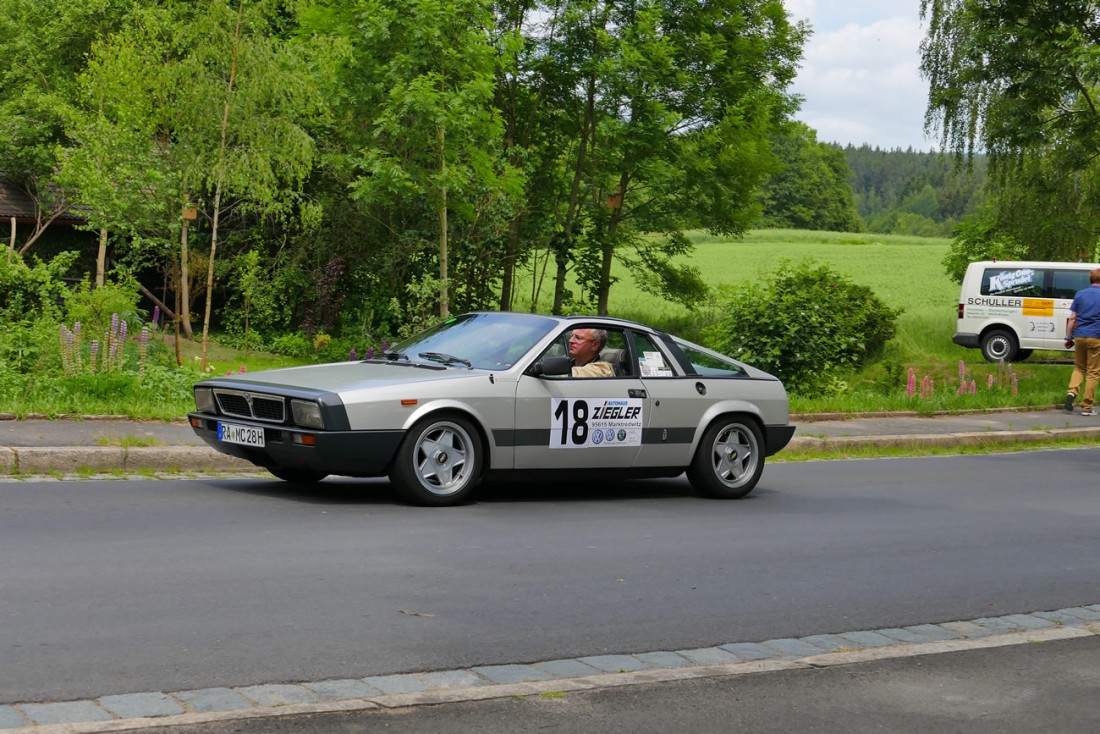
x,y
307,414
204,400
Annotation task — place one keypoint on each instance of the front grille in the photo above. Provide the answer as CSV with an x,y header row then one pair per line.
x,y
270,408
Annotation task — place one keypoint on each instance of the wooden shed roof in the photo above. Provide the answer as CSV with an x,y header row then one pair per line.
x,y
14,202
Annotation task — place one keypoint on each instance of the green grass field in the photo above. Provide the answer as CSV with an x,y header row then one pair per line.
x,y
906,273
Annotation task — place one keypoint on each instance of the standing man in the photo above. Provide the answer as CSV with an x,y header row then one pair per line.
x,y
1083,333
585,346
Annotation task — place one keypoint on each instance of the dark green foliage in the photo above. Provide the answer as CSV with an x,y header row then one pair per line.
x,y
913,193
32,292
978,239
812,191
1017,81
805,324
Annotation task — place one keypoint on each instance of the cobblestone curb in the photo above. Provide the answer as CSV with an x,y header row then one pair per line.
x,y
158,708
74,459
974,438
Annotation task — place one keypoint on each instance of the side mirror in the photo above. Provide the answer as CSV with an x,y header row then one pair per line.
x,y
556,366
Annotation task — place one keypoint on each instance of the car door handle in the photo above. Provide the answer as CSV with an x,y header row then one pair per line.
x,y
636,393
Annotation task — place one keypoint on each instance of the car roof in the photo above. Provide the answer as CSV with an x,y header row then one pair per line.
x,y
575,318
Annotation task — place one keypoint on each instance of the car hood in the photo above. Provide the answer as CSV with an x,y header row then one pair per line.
x,y
343,376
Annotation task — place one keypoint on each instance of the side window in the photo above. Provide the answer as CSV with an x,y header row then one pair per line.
x,y
710,365
651,360
1066,283
1013,282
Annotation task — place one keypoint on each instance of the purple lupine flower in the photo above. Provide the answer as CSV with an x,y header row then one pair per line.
x,y
973,387
353,356
156,317
143,340
242,370
962,370
1015,387
122,328
76,352
369,354
989,380
911,383
66,349
95,353
384,345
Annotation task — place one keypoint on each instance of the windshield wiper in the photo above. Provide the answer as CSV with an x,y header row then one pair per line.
x,y
446,358
394,356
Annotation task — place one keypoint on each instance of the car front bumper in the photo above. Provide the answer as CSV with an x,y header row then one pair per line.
x,y
347,453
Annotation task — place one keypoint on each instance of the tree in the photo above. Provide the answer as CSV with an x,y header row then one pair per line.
x,y
660,111
812,190
432,143
1019,81
205,104
43,48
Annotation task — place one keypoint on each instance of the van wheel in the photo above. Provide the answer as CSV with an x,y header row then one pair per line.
x,y
998,345
1022,354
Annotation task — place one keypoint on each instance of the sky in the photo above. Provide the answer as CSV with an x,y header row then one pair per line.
x,y
860,74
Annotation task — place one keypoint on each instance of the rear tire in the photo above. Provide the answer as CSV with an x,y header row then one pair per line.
x,y
999,344
439,462
297,476
729,460
1022,354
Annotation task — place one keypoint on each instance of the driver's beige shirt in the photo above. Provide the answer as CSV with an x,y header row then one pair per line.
x,y
594,369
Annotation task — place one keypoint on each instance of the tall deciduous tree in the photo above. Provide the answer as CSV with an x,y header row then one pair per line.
x,y
672,105
432,138
209,103
812,191
43,49
1020,81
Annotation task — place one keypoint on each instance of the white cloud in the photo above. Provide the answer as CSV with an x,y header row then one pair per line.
x,y
860,78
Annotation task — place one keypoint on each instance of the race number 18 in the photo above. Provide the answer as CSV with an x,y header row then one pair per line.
x,y
578,433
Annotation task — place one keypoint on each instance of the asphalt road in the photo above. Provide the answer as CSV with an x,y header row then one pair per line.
x,y
122,586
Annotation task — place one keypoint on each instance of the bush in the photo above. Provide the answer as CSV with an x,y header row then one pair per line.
x,y
978,239
30,293
806,326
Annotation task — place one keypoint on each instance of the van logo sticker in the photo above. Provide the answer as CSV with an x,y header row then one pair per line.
x,y
1011,279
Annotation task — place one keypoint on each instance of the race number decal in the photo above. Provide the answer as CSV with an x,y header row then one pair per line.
x,y
588,422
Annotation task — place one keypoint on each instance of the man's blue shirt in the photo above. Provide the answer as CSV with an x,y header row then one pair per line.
x,y
1086,304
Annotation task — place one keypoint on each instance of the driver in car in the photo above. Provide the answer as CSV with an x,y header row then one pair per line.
x,y
584,348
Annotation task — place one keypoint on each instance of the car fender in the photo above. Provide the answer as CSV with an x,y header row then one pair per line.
x,y
452,406
725,407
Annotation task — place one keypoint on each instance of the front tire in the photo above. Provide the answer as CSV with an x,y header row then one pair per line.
x,y
999,344
297,476
729,460
439,462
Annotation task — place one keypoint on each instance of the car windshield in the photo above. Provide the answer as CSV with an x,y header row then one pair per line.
x,y
487,341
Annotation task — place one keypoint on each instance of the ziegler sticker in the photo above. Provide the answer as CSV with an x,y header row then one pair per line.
x,y
587,422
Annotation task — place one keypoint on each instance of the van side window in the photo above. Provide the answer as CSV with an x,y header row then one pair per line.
x,y
1014,282
1066,283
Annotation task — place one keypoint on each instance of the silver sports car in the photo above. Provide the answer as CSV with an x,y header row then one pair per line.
x,y
495,393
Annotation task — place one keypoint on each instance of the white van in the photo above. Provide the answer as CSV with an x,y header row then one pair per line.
x,y
1009,308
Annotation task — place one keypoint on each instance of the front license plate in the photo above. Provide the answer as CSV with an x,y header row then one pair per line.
x,y
243,435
